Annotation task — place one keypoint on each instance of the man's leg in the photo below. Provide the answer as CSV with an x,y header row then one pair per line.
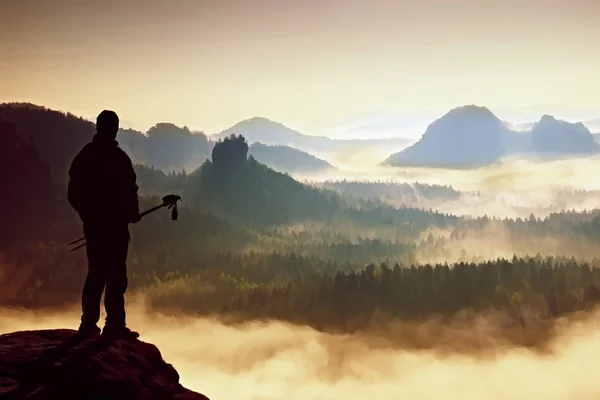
x,y
116,285
92,289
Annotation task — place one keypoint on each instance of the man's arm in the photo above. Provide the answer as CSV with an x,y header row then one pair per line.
x,y
131,190
75,189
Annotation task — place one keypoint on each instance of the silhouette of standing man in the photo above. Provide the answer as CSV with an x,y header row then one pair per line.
x,y
103,191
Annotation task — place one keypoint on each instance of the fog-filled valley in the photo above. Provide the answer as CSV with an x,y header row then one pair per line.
x,y
466,359
309,267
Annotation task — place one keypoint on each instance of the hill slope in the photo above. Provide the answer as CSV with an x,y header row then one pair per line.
x,y
287,159
237,187
57,364
59,136
30,203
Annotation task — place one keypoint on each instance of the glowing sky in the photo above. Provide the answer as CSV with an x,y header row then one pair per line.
x,y
309,63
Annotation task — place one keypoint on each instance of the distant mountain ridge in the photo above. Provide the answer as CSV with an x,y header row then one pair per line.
x,y
266,131
166,146
472,136
465,137
552,138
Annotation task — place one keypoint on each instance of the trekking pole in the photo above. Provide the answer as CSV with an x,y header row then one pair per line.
x,y
169,201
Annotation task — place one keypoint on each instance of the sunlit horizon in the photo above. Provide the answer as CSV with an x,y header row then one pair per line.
x,y
313,66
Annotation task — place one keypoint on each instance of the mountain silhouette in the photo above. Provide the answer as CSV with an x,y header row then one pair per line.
x,y
166,146
552,138
472,136
464,137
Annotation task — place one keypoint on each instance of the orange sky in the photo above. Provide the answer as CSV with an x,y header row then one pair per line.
x,y
209,64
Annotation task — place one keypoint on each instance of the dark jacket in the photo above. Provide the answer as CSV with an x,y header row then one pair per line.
x,y
102,185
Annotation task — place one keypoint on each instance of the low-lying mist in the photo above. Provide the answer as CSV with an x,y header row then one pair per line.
x,y
495,241
462,359
512,188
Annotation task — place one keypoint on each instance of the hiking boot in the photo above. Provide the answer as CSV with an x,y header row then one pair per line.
x,y
121,332
88,330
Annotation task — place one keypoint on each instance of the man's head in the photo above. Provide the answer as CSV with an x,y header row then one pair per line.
x,y
107,123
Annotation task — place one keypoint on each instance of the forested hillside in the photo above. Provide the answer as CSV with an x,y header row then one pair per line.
x,y
377,190
31,205
58,136
235,186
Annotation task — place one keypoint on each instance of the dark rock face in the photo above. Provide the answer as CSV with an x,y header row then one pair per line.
x,y
58,364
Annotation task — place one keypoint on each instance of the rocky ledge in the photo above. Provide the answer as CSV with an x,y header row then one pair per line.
x,y
58,364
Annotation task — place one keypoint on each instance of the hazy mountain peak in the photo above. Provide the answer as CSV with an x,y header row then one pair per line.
x,y
470,118
550,122
260,129
548,118
556,137
473,135
167,126
257,119
260,122
465,136
471,111
264,126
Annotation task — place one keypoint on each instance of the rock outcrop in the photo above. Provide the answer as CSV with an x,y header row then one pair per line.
x,y
58,364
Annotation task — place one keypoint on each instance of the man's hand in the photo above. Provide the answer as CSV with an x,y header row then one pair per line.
x,y
135,219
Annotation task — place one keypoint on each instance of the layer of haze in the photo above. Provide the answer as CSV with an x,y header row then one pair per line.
x,y
210,64
510,189
279,361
